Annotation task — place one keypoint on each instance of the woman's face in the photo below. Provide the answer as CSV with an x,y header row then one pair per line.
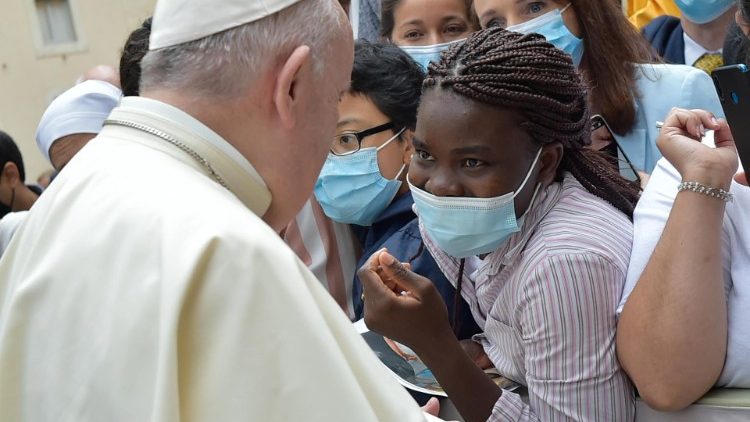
x,y
463,148
429,22
358,113
505,13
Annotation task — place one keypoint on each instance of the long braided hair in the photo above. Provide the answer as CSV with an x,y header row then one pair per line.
x,y
525,73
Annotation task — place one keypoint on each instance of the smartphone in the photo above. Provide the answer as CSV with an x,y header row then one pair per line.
x,y
733,86
600,129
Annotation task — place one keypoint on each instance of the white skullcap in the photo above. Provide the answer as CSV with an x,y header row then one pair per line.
x,y
81,109
180,21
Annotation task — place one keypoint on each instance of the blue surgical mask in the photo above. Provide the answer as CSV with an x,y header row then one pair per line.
x,y
350,188
424,54
552,27
703,11
464,227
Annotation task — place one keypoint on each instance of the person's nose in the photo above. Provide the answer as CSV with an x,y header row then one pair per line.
x,y
436,38
443,184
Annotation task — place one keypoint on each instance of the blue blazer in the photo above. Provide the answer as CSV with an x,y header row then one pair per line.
x,y
662,87
665,34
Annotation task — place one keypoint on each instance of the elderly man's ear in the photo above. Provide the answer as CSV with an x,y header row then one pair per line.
x,y
294,81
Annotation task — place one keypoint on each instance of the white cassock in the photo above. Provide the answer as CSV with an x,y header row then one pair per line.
x,y
141,289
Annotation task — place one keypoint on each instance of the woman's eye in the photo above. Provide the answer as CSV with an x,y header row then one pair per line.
x,y
472,163
423,155
455,29
493,23
412,35
536,8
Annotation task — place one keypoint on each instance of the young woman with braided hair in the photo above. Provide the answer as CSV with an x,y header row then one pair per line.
x,y
627,89
534,227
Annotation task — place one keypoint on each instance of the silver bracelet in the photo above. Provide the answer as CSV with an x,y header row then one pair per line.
x,y
706,190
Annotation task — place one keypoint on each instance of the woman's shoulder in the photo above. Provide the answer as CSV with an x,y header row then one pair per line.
x,y
663,86
581,223
649,74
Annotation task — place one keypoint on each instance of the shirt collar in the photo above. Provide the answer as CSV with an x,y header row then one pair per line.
x,y
239,175
694,51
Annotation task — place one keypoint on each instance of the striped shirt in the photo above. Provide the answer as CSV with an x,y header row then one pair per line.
x,y
329,250
546,301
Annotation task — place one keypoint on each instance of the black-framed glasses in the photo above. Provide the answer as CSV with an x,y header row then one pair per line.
x,y
598,121
351,142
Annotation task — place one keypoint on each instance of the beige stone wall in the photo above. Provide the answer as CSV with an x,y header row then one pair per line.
x,y
30,76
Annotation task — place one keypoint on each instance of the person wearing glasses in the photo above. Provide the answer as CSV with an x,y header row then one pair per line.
x,y
363,181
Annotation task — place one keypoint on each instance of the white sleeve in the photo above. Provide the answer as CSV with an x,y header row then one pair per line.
x,y
649,219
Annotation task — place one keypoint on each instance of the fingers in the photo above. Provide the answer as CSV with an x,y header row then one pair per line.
x,y
400,273
690,122
373,286
723,135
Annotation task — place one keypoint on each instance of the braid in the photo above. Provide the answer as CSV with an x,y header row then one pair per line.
x,y
527,74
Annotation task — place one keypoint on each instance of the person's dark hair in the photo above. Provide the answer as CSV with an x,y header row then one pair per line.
x,y
388,77
735,49
525,73
737,44
744,7
9,152
387,20
135,48
611,47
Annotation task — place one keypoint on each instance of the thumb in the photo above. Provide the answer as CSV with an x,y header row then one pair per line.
x,y
399,273
432,407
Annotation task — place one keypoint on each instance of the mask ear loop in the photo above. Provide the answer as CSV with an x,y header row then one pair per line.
x,y
528,174
400,172
403,167
390,140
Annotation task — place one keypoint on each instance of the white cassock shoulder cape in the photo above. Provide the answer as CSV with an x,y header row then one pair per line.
x,y
140,289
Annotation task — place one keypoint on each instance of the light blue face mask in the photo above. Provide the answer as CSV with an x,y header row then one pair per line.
x,y
703,11
424,54
464,227
350,188
552,26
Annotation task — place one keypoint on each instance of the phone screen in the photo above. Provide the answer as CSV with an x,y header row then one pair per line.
x,y
733,87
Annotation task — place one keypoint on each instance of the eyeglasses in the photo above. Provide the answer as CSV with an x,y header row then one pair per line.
x,y
351,142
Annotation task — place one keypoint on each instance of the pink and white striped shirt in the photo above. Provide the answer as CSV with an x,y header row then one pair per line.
x,y
329,249
547,303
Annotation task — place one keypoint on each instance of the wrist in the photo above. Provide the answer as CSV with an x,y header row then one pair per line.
x,y
710,177
437,345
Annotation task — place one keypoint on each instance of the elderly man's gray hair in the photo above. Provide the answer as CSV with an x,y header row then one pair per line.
x,y
224,64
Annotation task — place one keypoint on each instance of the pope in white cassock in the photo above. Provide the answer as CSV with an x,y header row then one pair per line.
x,y
149,282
